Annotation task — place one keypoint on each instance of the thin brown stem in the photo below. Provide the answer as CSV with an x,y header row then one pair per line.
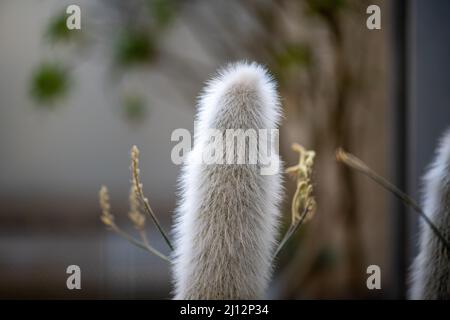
x,y
357,164
290,232
143,245
142,198
144,237
303,203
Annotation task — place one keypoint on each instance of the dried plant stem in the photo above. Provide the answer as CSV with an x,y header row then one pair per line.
x,y
143,245
303,203
290,232
108,219
144,237
357,164
140,193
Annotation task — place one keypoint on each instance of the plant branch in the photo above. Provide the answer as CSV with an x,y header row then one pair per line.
x,y
143,245
290,232
357,164
140,193
108,219
303,203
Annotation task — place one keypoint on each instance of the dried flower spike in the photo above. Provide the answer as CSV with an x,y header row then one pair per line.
x,y
138,188
134,214
303,203
108,219
303,197
106,216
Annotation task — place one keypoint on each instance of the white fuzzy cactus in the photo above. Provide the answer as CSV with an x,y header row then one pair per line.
x,y
431,268
226,221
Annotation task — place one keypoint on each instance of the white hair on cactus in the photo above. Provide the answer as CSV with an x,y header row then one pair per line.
x,y
227,217
431,269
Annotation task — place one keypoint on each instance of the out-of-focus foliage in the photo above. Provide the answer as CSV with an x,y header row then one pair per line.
x,y
295,55
134,47
135,107
293,58
325,8
143,22
49,82
163,11
57,30
326,258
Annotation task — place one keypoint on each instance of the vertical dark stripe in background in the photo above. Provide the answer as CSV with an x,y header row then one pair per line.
x,y
398,143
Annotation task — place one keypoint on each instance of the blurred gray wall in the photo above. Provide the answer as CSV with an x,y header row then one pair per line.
x,y
85,142
52,164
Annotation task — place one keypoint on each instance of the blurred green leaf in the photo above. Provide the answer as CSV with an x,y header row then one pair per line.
x,y
163,11
57,30
326,258
49,82
325,7
294,55
135,47
135,107
292,58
